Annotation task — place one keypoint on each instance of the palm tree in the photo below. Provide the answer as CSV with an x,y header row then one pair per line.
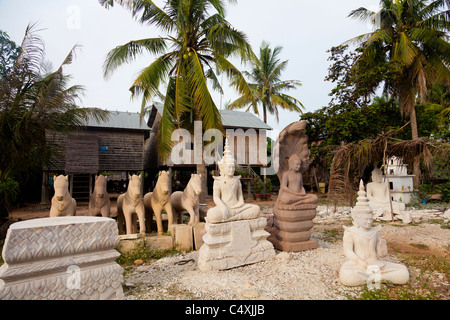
x,y
409,35
195,46
266,87
34,100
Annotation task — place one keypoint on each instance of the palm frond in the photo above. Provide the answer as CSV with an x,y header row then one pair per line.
x,y
201,96
128,52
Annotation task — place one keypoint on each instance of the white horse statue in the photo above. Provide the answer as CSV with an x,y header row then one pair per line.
x,y
99,203
129,203
187,200
159,200
62,202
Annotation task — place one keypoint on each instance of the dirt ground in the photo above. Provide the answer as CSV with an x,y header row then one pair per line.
x,y
424,246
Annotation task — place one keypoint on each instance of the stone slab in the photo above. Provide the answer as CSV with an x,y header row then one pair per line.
x,y
199,231
184,237
61,258
153,242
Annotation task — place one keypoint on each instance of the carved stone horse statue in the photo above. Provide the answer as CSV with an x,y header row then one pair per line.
x,y
129,203
187,200
62,202
99,203
159,200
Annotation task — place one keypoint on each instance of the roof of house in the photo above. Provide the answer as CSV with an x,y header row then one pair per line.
x,y
120,120
234,119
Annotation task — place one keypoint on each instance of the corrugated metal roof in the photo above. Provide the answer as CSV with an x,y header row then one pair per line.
x,y
120,120
234,119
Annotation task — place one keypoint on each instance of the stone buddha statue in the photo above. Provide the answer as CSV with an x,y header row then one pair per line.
x,y
364,246
292,193
378,195
228,196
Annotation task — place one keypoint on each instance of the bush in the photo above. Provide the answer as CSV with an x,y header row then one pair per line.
x,y
445,191
257,185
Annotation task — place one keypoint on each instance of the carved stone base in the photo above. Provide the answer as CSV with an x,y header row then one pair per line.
x,y
61,258
234,244
292,225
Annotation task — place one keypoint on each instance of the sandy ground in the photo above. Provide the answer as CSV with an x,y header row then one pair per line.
x,y
311,275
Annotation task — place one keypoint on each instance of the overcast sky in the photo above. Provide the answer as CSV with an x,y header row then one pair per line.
x,y
305,30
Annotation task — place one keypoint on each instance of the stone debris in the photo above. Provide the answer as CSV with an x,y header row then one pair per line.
x,y
307,275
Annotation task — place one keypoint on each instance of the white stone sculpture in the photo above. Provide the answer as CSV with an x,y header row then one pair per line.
x,y
378,195
61,258
159,200
62,202
364,247
235,234
129,204
99,202
228,196
188,200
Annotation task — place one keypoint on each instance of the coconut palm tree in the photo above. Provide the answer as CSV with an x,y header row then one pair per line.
x,y
265,86
410,35
195,44
198,41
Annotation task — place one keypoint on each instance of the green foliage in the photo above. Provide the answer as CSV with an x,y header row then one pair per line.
x,y
257,185
145,253
266,87
445,191
35,100
8,54
411,37
9,190
269,186
197,43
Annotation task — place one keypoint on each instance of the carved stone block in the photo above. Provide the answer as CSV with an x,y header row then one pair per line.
x,y
234,244
61,258
292,225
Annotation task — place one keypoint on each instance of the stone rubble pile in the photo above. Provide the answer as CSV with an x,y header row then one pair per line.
x,y
325,214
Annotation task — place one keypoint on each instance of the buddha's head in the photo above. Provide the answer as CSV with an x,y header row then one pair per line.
x,y
227,164
377,175
363,220
295,163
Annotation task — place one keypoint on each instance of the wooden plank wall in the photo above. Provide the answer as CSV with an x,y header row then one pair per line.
x,y
83,152
124,151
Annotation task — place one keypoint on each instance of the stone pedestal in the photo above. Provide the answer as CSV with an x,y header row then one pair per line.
x,y
61,258
234,244
292,225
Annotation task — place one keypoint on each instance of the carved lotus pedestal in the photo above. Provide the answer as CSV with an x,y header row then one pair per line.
x,y
292,225
234,244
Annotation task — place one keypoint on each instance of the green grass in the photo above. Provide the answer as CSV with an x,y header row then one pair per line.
x,y
417,289
332,235
145,253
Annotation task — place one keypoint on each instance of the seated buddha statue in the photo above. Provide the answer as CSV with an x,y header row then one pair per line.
x,y
292,193
364,247
228,196
378,195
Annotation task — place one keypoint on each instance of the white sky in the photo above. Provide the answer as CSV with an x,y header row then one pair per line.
x,y
305,30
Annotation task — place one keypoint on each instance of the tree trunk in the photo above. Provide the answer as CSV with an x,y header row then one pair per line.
x,y
201,169
198,156
415,135
265,113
